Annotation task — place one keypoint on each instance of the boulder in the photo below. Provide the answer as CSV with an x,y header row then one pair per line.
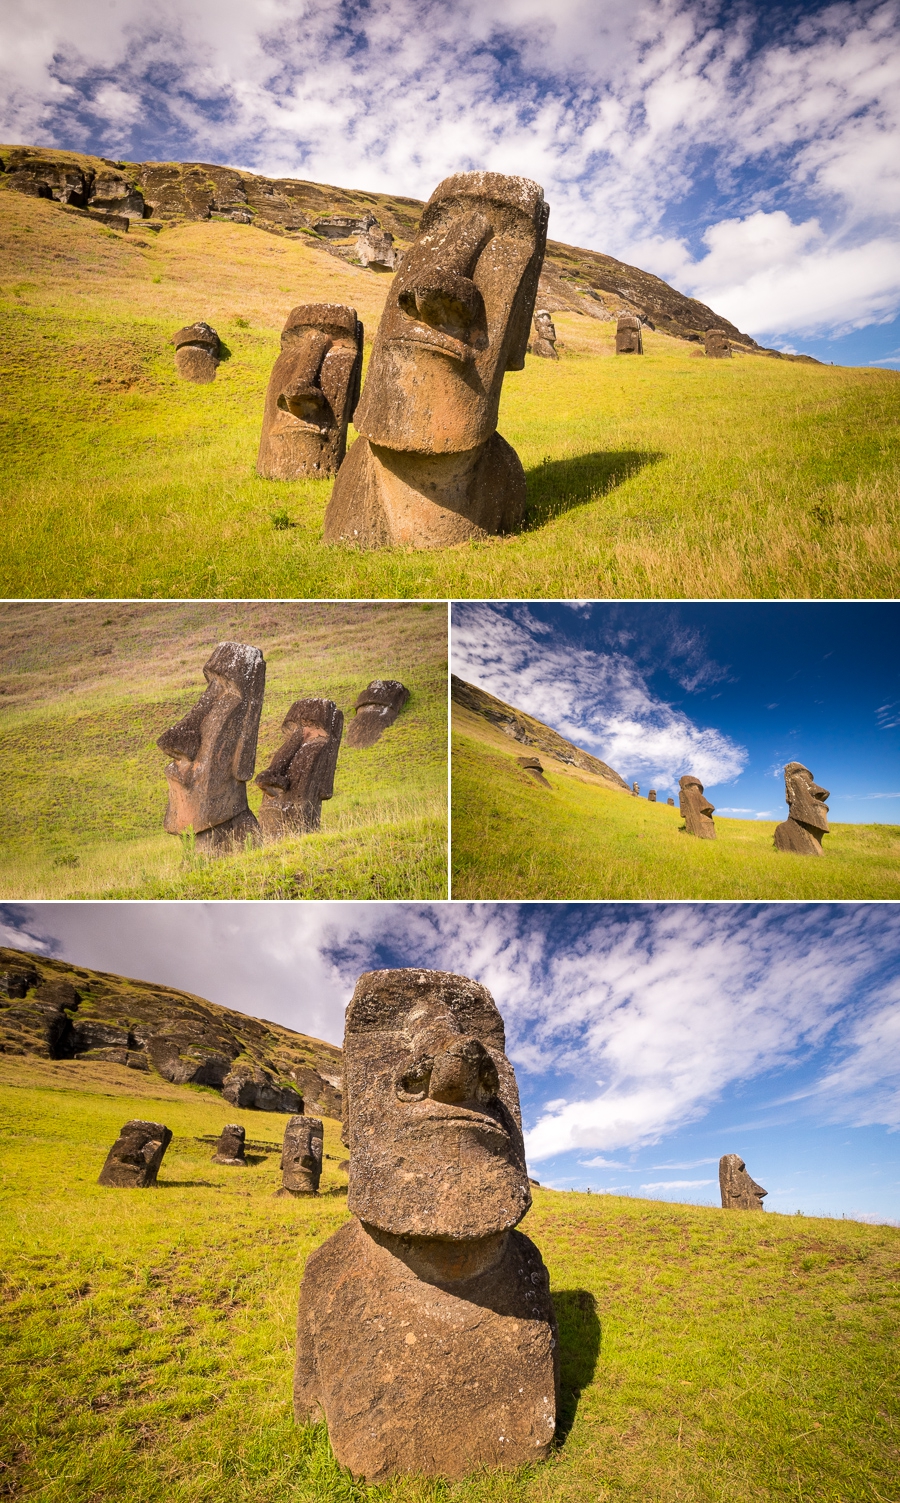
x,y
250,1087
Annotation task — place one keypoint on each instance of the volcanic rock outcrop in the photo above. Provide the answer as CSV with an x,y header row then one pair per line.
x,y
377,707
739,1191
134,1159
301,773
197,352
629,340
807,819
544,342
312,393
695,808
301,1156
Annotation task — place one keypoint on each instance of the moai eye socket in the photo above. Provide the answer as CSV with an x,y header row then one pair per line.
x,y
488,1079
414,1080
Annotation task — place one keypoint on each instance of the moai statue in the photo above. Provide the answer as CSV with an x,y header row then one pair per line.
x,y
629,340
377,707
544,342
533,766
230,1147
313,390
301,773
430,468
375,247
807,819
739,1191
671,803
197,353
301,1157
651,796
718,345
134,1159
696,810
426,1313
214,751
635,790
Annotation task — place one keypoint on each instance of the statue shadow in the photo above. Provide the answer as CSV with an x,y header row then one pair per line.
x,y
559,485
225,352
580,1338
185,1184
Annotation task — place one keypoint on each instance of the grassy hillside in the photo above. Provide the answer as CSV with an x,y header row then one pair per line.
x,y
511,838
705,1355
88,688
663,476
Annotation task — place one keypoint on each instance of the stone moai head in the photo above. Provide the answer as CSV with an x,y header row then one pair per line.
x,y
544,342
635,789
313,390
431,1108
651,796
197,352
807,819
718,345
134,1159
213,749
697,810
301,1156
671,803
739,1191
534,767
629,340
377,707
301,773
230,1147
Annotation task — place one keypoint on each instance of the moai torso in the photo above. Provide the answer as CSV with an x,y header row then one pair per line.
x,y
301,773
197,353
696,808
377,707
807,821
312,392
301,1156
739,1191
134,1159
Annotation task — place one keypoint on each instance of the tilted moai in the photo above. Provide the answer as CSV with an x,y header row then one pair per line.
x,y
533,766
718,345
197,352
427,1314
430,468
544,342
377,707
375,247
230,1147
213,751
695,808
807,819
301,773
312,393
651,796
134,1159
629,340
739,1191
301,1157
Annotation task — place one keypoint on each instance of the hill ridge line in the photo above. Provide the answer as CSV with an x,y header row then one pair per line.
x,y
530,731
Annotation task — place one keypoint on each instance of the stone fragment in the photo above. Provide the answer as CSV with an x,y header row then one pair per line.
x,y
629,340
739,1191
718,345
427,1313
197,352
544,342
301,773
430,468
377,707
533,766
375,247
214,751
807,819
250,1086
134,1159
230,1147
696,810
312,393
301,1156
651,796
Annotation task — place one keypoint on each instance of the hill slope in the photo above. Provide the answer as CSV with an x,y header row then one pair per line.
x,y
530,732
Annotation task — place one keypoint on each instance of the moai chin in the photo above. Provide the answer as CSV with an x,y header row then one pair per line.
x,y
301,1157
213,752
313,390
544,342
301,773
695,808
428,1290
197,352
134,1159
739,1191
629,340
718,345
230,1147
807,819
430,468
377,707
534,766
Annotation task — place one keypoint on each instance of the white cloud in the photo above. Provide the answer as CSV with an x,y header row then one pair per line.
x,y
677,1184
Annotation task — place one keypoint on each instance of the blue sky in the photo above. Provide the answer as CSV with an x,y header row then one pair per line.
x,y
727,691
648,1039
747,152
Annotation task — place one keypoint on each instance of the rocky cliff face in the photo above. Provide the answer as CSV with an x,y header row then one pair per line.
x,y
530,732
51,1008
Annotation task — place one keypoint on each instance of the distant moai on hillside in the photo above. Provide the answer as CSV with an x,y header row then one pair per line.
x,y
312,393
197,352
739,1191
301,1156
718,345
544,342
629,339
301,773
230,1147
670,802
377,707
533,766
807,819
636,790
651,796
134,1159
696,808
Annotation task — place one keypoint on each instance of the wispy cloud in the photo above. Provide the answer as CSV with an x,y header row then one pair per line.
x,y
677,1184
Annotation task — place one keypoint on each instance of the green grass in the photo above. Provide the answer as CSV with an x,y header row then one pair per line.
x,y
511,838
149,1335
663,476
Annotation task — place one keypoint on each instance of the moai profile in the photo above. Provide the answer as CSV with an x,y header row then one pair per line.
x,y
629,340
301,773
313,390
427,1313
197,352
301,1157
696,810
213,752
377,707
533,766
544,342
230,1147
134,1159
375,247
807,819
651,796
430,468
739,1191
718,345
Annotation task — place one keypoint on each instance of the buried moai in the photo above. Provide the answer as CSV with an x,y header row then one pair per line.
x,y
213,751
430,468
651,796
629,340
544,342
230,1147
718,345
312,392
301,773
696,809
377,707
533,766
427,1313
301,1157
739,1191
134,1159
807,819
197,352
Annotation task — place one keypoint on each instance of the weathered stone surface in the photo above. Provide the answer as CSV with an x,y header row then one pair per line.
x,y
343,226
230,1147
214,752
544,342
696,809
427,1313
739,1191
375,247
651,796
249,1086
629,340
301,1156
312,393
301,773
114,194
430,468
134,1159
807,818
15,980
197,352
534,766
377,707
718,345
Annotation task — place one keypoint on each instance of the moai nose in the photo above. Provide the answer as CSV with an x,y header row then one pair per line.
x,y
456,1071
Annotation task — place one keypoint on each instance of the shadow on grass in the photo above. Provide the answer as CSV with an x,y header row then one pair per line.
x,y
558,485
580,1336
